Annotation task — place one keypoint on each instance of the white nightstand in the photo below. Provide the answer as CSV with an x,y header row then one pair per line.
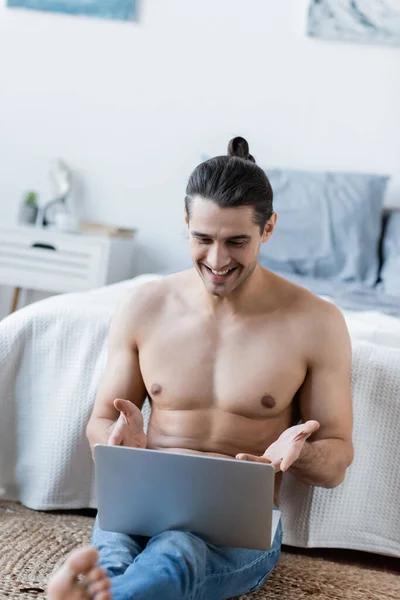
x,y
53,261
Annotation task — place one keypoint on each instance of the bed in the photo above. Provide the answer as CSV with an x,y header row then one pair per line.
x,y
335,240
53,352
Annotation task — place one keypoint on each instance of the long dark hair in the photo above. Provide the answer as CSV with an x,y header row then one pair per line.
x,y
231,181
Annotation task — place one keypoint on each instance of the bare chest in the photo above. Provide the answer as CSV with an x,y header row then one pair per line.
x,y
244,370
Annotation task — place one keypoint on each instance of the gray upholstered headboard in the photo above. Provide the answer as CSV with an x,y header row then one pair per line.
x,y
386,213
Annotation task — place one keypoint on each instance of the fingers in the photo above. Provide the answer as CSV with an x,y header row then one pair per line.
x,y
253,458
116,436
277,464
114,440
125,406
290,457
307,429
311,427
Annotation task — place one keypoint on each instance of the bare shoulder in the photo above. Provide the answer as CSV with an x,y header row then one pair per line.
x,y
143,300
296,298
147,300
329,334
320,322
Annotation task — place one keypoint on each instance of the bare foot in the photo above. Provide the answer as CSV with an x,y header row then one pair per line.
x,y
64,584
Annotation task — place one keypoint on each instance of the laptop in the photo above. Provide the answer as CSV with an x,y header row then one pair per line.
x,y
226,502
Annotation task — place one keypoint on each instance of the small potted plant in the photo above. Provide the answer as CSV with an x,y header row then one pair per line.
x,y
29,209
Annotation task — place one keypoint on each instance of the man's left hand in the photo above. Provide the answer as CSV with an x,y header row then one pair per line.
x,y
287,448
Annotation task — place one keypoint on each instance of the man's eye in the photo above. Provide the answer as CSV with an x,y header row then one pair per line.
x,y
203,241
237,244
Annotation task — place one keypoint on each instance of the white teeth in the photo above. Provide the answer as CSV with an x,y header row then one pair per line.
x,y
220,272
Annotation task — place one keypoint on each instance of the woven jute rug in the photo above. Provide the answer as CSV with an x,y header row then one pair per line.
x,y
33,544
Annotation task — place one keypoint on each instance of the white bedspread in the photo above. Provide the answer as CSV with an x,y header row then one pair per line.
x,y
52,354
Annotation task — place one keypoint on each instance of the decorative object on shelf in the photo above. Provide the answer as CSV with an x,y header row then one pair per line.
x,y
66,222
29,209
125,10
367,21
57,212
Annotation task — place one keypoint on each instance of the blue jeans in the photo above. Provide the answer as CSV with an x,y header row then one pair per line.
x,y
177,565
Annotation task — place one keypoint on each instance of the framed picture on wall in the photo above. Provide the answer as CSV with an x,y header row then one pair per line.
x,y
364,21
108,9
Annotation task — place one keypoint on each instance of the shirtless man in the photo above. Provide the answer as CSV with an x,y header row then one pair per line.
x,y
232,357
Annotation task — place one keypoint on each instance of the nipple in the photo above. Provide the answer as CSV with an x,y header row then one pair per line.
x,y
156,389
268,401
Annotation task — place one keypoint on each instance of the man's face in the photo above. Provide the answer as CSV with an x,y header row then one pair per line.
x,y
224,244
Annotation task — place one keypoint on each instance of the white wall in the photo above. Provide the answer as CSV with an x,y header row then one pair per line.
x,y
132,106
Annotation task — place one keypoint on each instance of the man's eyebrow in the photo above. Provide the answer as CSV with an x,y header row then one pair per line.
x,y
198,234
242,236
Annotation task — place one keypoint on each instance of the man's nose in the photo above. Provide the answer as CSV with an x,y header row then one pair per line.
x,y
218,257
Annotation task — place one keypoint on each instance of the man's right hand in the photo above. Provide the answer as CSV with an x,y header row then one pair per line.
x,y
128,429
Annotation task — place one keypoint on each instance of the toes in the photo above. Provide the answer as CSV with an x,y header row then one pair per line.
x,y
96,582
94,575
82,561
98,586
103,596
64,585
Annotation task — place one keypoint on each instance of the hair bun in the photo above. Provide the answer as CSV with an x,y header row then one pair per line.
x,y
239,147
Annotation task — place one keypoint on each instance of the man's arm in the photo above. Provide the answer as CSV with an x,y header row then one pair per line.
x,y
325,396
122,377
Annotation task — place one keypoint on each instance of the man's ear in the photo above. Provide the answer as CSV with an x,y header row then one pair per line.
x,y
269,227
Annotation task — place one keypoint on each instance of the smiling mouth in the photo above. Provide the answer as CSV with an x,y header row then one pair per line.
x,y
221,274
